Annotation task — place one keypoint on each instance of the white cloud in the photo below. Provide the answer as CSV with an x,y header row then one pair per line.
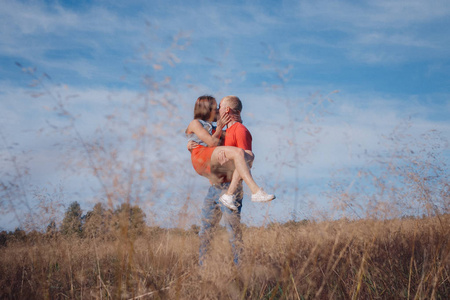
x,y
378,38
380,31
36,32
357,124
38,18
373,14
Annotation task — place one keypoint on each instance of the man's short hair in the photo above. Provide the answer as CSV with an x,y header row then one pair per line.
x,y
233,102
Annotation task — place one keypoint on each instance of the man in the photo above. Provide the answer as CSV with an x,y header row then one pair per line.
x,y
236,135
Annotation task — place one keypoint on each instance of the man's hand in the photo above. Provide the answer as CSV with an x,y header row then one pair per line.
x,y
191,145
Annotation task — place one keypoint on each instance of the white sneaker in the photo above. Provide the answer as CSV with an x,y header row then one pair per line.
x,y
228,201
261,196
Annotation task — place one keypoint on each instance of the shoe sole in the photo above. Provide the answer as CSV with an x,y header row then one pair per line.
x,y
264,200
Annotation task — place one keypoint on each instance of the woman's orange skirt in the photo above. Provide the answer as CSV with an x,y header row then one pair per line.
x,y
201,159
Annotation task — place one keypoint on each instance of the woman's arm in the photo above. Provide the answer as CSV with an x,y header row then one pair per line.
x,y
211,140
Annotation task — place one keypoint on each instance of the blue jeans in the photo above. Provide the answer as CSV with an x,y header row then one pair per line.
x,y
212,212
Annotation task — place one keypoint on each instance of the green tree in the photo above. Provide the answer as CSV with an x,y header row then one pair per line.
x,y
97,222
3,239
130,220
51,229
72,222
19,235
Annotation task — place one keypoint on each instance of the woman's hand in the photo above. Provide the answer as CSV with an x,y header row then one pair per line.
x,y
223,121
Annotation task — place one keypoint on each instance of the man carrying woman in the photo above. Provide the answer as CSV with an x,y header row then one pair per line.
x,y
225,166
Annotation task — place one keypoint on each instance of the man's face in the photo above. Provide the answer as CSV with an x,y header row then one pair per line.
x,y
222,108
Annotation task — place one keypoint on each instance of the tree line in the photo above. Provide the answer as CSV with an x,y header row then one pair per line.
x,y
100,222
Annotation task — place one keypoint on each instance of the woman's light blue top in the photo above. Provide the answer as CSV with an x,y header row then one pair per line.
x,y
193,137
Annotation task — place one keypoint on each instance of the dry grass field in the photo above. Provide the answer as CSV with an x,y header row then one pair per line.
x,y
366,259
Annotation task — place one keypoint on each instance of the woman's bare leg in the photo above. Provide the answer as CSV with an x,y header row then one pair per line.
x,y
241,168
236,178
234,184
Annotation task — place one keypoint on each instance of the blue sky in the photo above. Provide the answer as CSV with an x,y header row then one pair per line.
x,y
324,85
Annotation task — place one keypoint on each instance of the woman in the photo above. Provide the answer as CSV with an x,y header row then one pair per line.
x,y
208,156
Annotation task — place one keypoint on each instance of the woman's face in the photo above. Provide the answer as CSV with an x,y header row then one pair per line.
x,y
213,117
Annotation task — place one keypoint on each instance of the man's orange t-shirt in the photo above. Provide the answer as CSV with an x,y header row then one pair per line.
x,y
238,136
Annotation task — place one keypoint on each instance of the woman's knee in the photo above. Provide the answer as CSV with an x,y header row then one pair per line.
x,y
237,152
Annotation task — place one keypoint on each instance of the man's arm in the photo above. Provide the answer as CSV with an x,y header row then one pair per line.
x,y
191,145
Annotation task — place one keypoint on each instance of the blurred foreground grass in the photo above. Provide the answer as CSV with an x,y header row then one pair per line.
x,y
366,259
